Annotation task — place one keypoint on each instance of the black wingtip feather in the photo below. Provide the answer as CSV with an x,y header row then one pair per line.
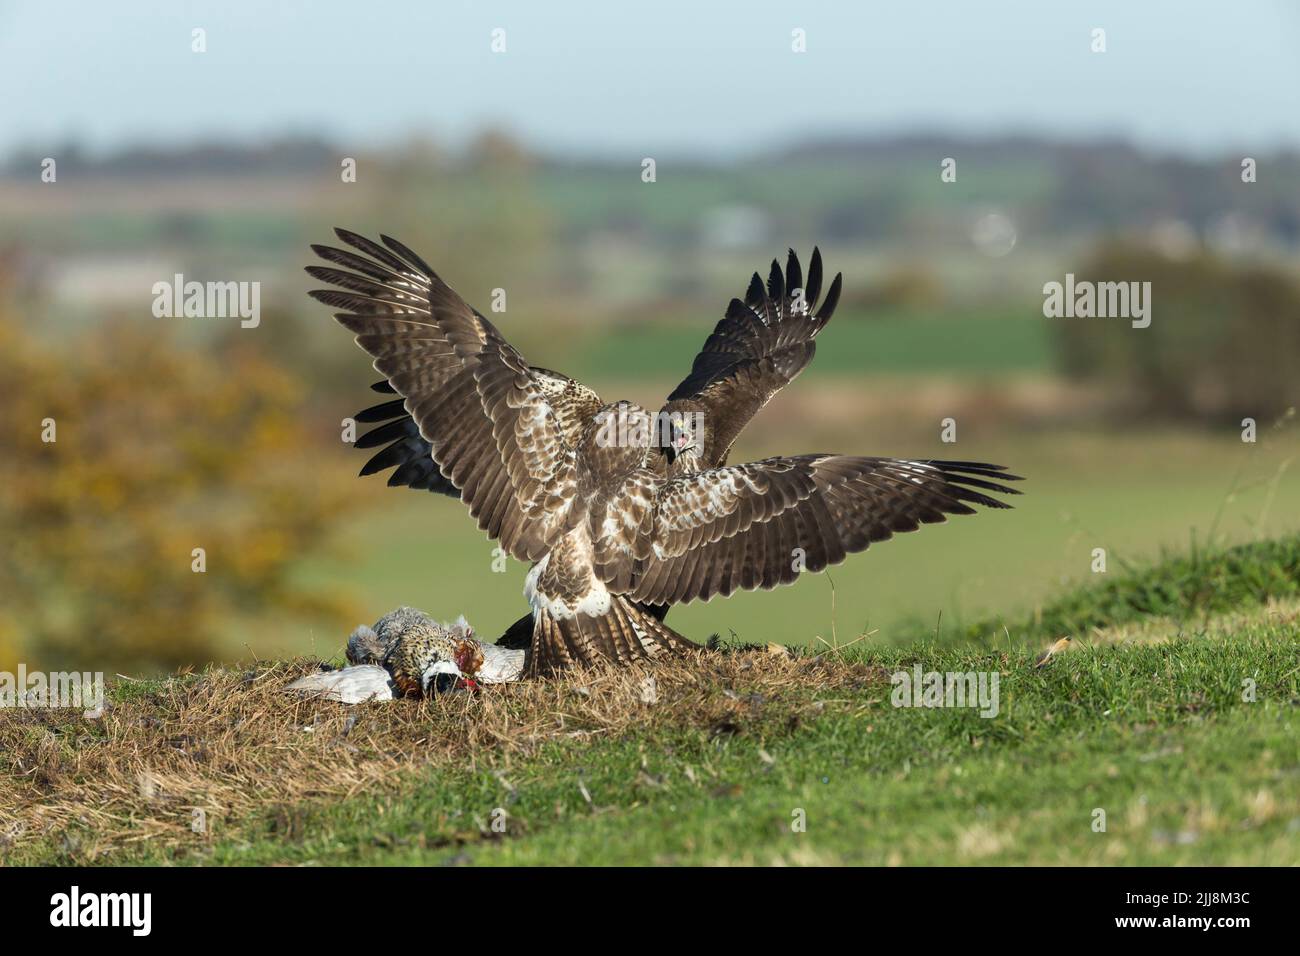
x,y
794,274
387,458
381,413
406,253
975,468
832,298
390,431
776,285
814,287
410,473
374,250
981,483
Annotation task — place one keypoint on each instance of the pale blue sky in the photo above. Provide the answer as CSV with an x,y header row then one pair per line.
x,y
667,76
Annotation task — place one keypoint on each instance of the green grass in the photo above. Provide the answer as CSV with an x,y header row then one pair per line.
x,y
1156,736
1185,736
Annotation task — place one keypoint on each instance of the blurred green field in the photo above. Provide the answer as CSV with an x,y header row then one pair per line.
x,y
787,188
1134,494
987,342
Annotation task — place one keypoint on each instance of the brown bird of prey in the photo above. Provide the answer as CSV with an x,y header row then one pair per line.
x,y
622,512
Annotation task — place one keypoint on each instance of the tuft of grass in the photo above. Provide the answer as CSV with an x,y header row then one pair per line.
x,y
1176,588
1182,587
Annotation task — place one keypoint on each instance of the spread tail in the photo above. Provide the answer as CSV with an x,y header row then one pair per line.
x,y
626,632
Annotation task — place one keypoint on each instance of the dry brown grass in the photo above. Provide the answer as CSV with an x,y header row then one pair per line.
x,y
231,742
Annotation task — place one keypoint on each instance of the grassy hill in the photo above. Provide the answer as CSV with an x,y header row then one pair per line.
x,y
1176,720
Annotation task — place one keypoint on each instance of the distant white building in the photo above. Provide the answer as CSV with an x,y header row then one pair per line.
x,y
101,281
734,227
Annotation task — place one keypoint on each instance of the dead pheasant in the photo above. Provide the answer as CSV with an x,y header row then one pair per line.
x,y
409,654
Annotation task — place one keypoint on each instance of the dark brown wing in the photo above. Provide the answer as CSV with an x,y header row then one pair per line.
x,y
757,349
761,524
405,449
500,431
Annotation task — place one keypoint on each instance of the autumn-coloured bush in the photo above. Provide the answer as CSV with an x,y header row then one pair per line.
x,y
123,454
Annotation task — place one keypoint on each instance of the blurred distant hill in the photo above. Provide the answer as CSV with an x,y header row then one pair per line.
x,y
838,189
288,156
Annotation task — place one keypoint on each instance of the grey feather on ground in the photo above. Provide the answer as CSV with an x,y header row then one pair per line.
x,y
351,685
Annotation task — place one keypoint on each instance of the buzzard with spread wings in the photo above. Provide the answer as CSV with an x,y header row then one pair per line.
x,y
623,513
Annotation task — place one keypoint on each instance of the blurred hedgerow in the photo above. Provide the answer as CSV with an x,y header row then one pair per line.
x,y
1224,339
158,450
